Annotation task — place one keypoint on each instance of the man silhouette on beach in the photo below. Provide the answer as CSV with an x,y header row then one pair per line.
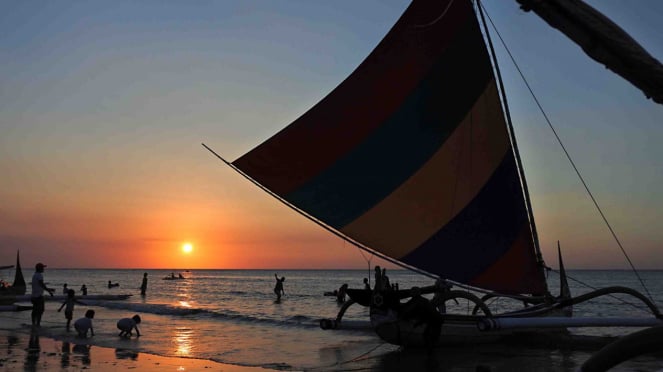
x,y
37,297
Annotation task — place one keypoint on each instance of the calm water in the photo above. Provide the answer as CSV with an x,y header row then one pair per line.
x,y
231,317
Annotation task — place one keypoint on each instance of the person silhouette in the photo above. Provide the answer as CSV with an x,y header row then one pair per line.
x,y
143,286
340,294
127,325
278,288
378,279
68,306
37,296
84,324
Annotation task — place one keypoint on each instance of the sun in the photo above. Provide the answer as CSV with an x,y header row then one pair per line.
x,y
187,247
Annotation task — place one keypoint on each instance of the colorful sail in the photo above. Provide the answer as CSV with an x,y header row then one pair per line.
x,y
411,157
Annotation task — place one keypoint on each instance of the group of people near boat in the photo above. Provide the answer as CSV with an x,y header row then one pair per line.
x,y
82,325
418,309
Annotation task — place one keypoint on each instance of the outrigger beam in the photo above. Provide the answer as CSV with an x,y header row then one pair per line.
x,y
564,322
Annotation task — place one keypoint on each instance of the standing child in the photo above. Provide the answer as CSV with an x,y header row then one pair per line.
x,y
83,324
69,309
126,325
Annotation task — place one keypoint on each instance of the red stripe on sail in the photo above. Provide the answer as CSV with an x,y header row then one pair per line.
x,y
361,103
516,272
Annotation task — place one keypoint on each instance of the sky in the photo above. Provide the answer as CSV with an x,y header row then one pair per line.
x,y
104,106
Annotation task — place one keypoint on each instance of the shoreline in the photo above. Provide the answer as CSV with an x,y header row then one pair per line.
x,y
34,352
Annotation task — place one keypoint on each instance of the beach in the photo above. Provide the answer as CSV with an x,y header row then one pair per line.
x,y
228,320
32,352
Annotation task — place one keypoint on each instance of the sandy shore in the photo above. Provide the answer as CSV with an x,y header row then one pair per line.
x,y
31,352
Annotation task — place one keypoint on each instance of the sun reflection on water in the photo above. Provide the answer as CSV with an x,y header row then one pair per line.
x,y
183,341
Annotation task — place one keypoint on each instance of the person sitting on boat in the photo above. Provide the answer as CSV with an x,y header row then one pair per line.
x,y
172,275
180,276
420,310
340,294
439,298
385,280
378,279
367,286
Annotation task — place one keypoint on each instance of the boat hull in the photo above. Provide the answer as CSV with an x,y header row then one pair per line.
x,y
408,334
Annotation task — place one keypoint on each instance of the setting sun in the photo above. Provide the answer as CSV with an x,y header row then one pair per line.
x,y
187,247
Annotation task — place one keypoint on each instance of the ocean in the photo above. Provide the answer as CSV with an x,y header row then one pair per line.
x,y
230,316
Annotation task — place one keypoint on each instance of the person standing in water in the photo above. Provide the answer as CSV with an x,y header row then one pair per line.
x,y
143,286
69,309
278,288
37,297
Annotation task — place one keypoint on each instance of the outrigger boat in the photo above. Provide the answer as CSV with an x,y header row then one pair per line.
x,y
18,287
413,158
9,292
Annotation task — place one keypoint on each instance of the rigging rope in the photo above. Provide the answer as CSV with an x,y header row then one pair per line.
x,y
358,358
368,261
568,156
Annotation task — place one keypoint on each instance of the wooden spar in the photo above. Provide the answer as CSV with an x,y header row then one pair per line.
x,y
603,41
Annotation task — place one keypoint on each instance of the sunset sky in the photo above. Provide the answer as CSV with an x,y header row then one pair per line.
x,y
104,105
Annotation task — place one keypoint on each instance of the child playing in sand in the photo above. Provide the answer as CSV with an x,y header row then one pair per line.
x,y
83,324
126,325
69,309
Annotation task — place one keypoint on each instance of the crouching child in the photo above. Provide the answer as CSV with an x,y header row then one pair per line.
x,y
82,325
127,325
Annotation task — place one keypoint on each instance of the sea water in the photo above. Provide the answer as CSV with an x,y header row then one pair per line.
x,y
231,316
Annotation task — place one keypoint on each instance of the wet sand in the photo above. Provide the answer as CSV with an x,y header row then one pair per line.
x,y
32,352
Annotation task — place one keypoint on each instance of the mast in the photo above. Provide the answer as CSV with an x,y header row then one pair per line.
x,y
603,41
521,173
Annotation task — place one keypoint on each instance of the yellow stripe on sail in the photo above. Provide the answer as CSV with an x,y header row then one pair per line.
x,y
443,186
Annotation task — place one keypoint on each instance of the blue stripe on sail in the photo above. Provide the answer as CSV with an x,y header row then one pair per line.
x,y
415,131
480,234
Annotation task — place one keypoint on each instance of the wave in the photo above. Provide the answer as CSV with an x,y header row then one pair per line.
x,y
170,310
